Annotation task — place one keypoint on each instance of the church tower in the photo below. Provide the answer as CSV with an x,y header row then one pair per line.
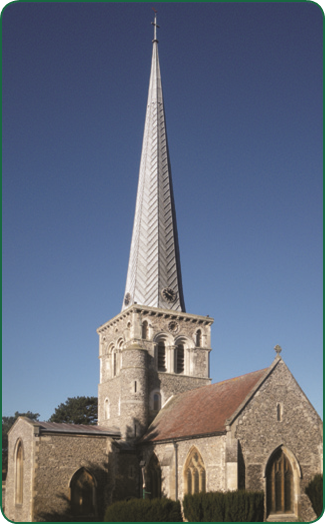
x,y
153,349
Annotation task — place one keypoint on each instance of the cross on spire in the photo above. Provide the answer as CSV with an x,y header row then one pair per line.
x,y
155,26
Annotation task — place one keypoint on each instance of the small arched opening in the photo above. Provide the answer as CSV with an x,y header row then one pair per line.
x,y
145,330
83,493
153,478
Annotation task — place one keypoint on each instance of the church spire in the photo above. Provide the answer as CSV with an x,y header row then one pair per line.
x,y
154,271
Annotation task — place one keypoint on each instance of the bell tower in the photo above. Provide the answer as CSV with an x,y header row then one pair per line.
x,y
153,349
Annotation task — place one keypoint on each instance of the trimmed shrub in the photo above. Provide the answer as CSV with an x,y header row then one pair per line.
x,y
144,510
314,490
232,506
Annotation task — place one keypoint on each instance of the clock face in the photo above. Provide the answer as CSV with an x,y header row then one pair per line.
x,y
169,294
127,299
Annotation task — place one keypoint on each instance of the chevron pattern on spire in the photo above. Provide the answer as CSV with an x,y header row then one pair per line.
x,y
154,271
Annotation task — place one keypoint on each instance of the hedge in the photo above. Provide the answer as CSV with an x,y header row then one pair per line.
x,y
232,506
314,490
144,510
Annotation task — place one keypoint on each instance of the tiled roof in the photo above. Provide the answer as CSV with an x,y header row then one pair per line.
x,y
81,429
203,410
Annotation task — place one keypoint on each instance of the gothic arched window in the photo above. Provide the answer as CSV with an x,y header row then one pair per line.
x,y
280,487
179,359
153,486
194,473
145,330
82,493
161,350
19,473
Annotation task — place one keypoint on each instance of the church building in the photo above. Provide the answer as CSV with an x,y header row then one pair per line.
x,y
163,428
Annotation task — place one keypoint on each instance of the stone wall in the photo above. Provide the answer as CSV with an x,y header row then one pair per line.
x,y
57,459
299,432
213,452
22,431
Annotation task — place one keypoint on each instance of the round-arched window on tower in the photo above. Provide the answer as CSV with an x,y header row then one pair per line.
x,y
145,330
198,338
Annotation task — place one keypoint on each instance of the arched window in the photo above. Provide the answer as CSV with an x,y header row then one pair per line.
x,y
114,363
179,359
161,356
107,409
82,493
156,402
153,485
280,486
198,338
194,473
145,330
19,473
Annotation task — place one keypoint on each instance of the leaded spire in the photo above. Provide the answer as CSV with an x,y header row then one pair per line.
x,y
154,272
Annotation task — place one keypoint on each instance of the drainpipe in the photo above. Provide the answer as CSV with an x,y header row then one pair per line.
x,y
176,471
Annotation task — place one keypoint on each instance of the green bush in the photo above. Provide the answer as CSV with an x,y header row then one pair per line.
x,y
232,506
314,490
140,510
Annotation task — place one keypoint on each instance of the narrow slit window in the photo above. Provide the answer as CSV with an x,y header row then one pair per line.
x,y
156,402
145,330
19,474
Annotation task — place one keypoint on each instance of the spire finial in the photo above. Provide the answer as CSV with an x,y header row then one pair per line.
x,y
155,26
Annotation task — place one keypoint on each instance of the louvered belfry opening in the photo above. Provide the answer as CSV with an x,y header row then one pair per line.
x,y
180,359
161,356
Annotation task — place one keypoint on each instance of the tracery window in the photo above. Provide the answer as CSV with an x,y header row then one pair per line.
x,y
153,485
19,473
179,359
194,475
280,487
161,356
82,493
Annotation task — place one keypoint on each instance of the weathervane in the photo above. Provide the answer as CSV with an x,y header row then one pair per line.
x,y
155,26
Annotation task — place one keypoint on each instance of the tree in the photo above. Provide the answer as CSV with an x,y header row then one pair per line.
x,y
77,410
7,423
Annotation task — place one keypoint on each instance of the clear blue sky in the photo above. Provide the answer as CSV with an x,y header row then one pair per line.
x,y
243,98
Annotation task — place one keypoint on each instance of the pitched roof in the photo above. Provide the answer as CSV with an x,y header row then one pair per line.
x,y
203,410
79,429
